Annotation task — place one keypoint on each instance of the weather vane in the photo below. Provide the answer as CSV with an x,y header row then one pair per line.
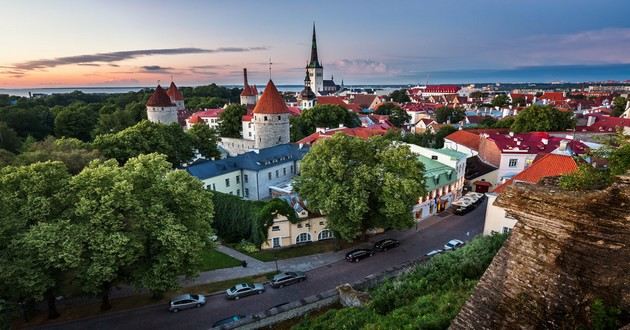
x,y
270,68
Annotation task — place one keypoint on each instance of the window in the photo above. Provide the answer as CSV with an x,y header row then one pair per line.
x,y
308,225
292,169
275,228
507,230
245,178
275,242
321,223
277,173
269,175
324,234
246,192
238,192
512,162
227,182
303,238
284,171
279,118
238,179
299,225
265,118
214,187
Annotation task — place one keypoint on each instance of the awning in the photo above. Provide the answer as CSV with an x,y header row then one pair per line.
x,y
482,183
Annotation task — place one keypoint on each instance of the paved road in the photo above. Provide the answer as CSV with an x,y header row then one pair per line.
x,y
413,245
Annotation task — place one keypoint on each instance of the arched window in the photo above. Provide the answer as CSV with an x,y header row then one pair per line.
x,y
303,238
325,234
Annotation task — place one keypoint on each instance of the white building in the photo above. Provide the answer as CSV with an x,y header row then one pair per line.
x,y
160,107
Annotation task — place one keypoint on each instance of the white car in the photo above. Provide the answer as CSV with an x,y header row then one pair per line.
x,y
434,252
453,244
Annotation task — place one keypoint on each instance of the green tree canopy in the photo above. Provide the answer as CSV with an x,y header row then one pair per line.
x,y
361,184
321,115
9,140
74,153
400,96
500,100
36,121
231,123
75,121
619,106
204,139
444,114
542,118
145,138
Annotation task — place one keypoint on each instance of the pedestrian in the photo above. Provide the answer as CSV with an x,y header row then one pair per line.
x,y
244,263
467,234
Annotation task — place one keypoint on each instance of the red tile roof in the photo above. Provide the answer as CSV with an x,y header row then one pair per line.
x,y
604,123
553,96
295,111
465,138
363,99
533,143
548,165
338,100
159,98
360,132
210,113
445,89
174,93
271,102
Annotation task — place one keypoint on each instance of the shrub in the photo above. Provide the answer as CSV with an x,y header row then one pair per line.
x,y
247,246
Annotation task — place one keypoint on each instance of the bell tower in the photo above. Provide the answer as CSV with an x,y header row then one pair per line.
x,y
314,68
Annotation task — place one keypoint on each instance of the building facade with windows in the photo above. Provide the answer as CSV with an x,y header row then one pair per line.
x,y
250,175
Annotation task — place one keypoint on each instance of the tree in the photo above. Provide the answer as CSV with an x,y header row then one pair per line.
x,y
452,115
145,138
619,106
322,115
397,116
361,184
231,121
500,101
400,96
9,139
542,118
506,122
38,245
36,121
204,139
441,134
75,154
519,101
144,223
76,121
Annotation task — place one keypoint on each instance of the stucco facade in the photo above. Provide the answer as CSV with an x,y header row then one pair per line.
x,y
283,233
271,129
162,115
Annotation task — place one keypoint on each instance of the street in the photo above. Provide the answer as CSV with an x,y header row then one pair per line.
x,y
414,244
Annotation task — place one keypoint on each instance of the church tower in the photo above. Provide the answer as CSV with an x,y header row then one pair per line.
x,y
271,119
160,108
314,68
307,97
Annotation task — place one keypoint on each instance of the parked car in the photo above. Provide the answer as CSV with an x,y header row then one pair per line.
x,y
186,301
228,320
243,290
287,278
453,244
461,210
386,244
358,254
434,252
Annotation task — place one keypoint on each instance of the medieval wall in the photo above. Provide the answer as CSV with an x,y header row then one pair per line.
x,y
567,249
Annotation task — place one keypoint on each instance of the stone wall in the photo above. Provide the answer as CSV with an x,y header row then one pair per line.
x,y
567,249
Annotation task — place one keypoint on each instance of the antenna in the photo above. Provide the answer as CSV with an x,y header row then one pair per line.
x,y
270,67
158,82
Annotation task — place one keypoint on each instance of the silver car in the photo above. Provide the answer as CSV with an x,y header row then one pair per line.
x,y
243,290
186,301
453,244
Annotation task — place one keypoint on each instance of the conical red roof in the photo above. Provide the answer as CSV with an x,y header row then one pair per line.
x,y
271,102
174,93
159,98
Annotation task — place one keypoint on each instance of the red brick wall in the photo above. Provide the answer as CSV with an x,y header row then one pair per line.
x,y
489,152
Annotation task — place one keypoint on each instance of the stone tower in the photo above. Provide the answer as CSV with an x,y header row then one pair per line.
x,y
271,119
314,68
249,93
160,108
176,97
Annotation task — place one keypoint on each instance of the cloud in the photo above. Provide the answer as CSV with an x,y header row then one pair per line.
x,y
361,67
88,64
122,55
156,68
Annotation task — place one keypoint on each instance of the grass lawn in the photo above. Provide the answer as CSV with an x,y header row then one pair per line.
x,y
212,259
82,311
298,250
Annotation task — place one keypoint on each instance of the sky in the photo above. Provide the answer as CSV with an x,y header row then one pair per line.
x,y
138,43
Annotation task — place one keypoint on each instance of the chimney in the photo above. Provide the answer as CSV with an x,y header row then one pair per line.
x,y
512,134
544,141
301,145
244,77
563,145
591,120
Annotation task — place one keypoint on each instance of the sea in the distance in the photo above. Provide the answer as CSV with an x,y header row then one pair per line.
x,y
24,92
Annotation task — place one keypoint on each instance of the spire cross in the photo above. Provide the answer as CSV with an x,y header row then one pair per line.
x,y
270,68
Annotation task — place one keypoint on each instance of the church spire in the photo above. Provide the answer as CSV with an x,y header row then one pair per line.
x,y
314,63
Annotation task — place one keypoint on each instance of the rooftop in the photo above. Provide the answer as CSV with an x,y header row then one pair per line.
x,y
436,174
271,102
548,165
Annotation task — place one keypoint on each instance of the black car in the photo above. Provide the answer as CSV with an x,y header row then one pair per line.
x,y
386,244
358,254
228,320
287,278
